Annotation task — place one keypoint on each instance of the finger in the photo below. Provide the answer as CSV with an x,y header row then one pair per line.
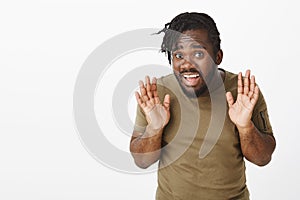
x,y
246,82
154,91
139,100
255,95
143,91
153,86
149,90
229,98
252,86
148,87
142,88
167,102
240,83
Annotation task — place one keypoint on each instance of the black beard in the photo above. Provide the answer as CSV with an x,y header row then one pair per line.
x,y
195,93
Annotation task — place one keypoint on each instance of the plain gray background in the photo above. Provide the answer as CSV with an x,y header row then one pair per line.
x,y
43,45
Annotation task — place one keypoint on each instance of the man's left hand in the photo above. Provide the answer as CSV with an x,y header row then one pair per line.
x,y
240,111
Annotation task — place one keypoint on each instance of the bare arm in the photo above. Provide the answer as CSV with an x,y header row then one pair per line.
x,y
257,147
145,147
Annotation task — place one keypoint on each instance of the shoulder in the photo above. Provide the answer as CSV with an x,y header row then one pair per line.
x,y
166,80
166,83
230,80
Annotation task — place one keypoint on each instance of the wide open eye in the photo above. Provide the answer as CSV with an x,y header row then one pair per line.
x,y
199,54
178,55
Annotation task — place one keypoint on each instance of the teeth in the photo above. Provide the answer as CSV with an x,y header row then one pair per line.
x,y
190,75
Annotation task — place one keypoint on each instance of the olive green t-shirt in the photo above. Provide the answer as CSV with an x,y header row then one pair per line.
x,y
201,157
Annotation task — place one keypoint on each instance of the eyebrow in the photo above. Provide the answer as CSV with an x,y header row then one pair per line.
x,y
197,46
194,46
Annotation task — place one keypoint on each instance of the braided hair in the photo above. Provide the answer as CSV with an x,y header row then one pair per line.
x,y
189,21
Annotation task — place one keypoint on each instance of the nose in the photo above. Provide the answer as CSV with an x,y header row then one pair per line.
x,y
186,64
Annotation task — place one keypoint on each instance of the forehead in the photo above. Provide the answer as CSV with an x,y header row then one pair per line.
x,y
194,37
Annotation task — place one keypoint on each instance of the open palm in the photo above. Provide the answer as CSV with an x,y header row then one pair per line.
x,y
157,114
240,111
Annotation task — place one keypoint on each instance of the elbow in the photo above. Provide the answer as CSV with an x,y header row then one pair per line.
x,y
261,159
142,164
263,162
268,157
144,161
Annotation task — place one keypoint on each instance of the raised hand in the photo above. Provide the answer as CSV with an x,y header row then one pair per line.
x,y
240,111
157,114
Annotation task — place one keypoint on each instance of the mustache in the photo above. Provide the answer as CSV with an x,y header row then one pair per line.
x,y
191,70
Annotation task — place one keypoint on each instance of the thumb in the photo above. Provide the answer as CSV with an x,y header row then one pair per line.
x,y
167,102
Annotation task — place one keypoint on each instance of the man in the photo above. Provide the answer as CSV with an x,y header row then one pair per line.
x,y
201,121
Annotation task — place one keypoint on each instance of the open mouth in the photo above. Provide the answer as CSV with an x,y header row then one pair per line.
x,y
191,79
190,76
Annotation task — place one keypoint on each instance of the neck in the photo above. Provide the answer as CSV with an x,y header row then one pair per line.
x,y
215,82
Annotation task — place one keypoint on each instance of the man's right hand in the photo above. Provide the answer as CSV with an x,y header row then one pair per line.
x,y
157,114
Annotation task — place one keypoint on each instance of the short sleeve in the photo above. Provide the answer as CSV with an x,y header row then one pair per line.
x,y
260,116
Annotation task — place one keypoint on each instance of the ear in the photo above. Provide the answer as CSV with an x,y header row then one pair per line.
x,y
219,57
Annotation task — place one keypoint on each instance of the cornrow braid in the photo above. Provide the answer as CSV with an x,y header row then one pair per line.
x,y
189,21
